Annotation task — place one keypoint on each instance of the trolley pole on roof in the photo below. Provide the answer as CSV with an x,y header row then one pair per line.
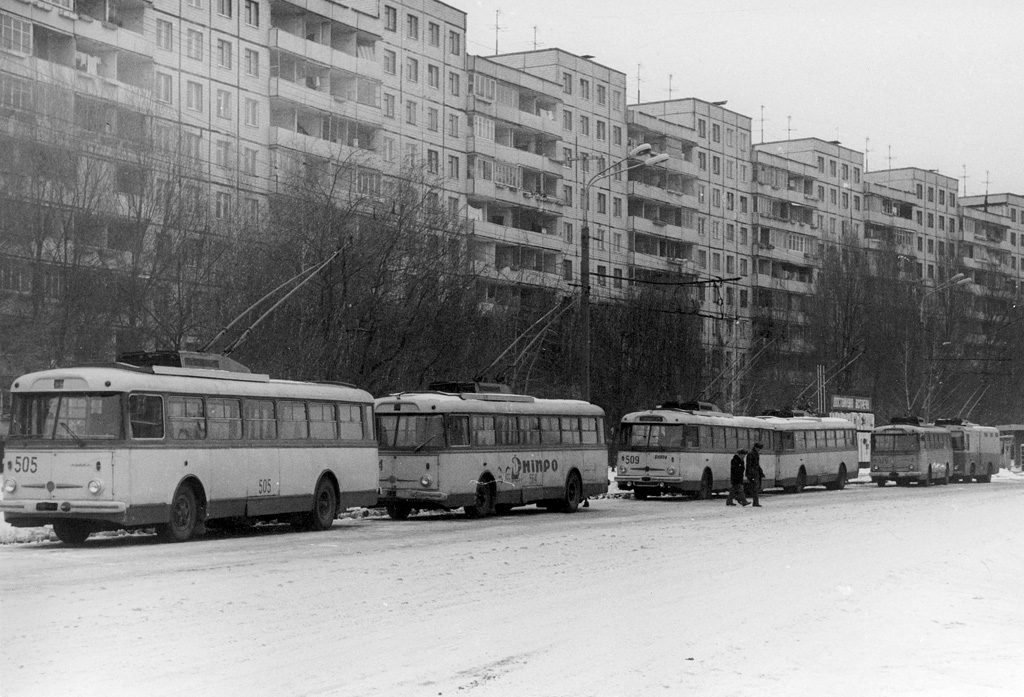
x,y
642,149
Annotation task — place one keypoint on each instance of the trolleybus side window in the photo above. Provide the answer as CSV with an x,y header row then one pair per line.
x,y
458,430
323,421
350,418
529,430
187,417
260,419
483,430
588,432
506,430
691,436
292,421
224,418
570,430
551,434
146,415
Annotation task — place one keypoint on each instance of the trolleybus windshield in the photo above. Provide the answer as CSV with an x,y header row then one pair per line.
x,y
66,416
410,431
891,442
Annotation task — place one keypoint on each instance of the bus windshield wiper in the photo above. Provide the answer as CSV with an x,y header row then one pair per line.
x,y
78,440
423,444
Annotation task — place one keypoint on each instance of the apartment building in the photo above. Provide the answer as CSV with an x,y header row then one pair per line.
x,y
592,120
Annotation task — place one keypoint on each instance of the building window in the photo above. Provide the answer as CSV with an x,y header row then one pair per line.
x,y
584,125
249,161
454,43
602,95
164,34
433,161
584,88
410,112
601,130
390,18
716,164
567,198
434,33
602,273
252,62
224,53
223,154
412,70
453,84
252,112
433,76
567,83
602,203
433,120
566,120
164,88
194,44
617,207
194,96
616,135
716,133
252,13
390,62
453,166
453,125
223,207
224,8
223,104
616,100
412,26
389,105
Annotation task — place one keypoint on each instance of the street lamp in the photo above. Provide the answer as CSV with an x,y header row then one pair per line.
x,y
953,282
642,149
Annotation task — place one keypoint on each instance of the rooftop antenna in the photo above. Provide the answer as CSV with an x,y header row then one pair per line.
x,y
670,86
534,37
638,80
889,178
497,28
867,141
965,180
789,128
762,123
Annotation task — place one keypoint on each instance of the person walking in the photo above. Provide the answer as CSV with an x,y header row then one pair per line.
x,y
736,467
754,472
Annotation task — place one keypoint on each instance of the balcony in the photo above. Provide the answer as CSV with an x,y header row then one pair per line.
x,y
324,55
515,236
651,227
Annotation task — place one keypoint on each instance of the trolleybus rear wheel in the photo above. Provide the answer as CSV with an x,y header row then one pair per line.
x,y
325,506
573,493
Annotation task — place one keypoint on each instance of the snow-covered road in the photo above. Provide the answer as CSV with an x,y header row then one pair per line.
x,y
867,591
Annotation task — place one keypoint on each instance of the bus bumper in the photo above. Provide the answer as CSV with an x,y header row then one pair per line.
x,y
25,513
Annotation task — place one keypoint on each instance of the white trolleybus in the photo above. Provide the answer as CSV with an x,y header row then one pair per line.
x,y
977,450
177,447
487,451
909,450
811,451
686,448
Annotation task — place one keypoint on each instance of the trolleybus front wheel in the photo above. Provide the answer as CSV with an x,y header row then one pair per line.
x,y
71,532
484,506
184,516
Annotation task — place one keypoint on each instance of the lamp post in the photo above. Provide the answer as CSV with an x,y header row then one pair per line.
x,y
953,282
639,150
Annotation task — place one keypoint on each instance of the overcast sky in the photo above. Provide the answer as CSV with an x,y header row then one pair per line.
x,y
935,85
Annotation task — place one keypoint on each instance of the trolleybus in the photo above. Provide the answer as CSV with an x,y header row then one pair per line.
x,y
811,451
909,450
682,448
176,448
487,452
977,450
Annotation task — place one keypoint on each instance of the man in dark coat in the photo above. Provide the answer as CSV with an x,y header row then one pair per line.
x,y
736,479
754,472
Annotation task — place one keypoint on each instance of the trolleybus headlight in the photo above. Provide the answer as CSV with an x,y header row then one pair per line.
x,y
95,487
913,468
10,486
671,471
425,480
622,469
